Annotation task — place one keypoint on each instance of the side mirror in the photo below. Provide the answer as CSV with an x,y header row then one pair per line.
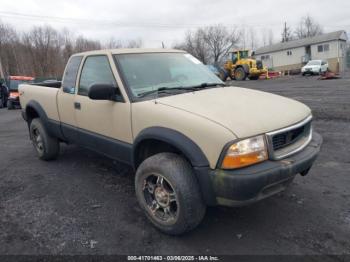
x,y
102,92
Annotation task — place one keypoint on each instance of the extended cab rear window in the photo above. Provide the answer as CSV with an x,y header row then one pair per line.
x,y
70,75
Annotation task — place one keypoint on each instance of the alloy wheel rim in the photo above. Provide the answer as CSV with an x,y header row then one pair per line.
x,y
37,140
160,198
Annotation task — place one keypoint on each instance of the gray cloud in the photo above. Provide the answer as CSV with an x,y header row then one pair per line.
x,y
167,20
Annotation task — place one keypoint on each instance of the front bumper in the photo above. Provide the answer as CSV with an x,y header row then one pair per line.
x,y
250,184
310,71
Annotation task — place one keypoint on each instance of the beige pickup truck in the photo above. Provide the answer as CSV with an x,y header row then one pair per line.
x,y
192,140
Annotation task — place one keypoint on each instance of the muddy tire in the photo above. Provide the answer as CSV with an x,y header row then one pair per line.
x,y
240,74
47,147
169,194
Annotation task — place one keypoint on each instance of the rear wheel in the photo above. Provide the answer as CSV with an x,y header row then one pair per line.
x,y
168,192
47,147
240,74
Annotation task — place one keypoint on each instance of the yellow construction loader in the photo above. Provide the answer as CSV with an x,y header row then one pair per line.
x,y
241,65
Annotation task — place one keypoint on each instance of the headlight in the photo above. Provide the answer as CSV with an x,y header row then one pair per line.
x,y
245,152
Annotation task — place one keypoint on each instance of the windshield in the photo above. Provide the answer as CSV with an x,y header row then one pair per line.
x,y
314,62
151,71
244,54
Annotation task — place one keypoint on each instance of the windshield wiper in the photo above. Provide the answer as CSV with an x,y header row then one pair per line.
x,y
204,85
160,90
167,90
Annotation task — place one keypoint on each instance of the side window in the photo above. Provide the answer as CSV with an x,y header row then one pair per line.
x,y
70,75
320,48
96,69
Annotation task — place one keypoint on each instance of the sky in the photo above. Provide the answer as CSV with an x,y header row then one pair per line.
x,y
167,21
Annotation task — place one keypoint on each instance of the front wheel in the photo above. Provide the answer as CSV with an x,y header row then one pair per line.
x,y
168,192
240,74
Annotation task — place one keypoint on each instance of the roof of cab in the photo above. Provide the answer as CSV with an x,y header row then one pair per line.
x,y
130,51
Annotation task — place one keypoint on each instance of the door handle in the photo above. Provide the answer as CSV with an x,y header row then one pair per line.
x,y
77,105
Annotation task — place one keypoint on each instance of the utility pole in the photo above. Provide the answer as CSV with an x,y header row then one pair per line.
x,y
284,37
285,33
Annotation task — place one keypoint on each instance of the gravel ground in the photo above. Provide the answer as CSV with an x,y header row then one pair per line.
x,y
84,203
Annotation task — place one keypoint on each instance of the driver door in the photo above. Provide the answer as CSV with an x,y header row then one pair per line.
x,y
101,123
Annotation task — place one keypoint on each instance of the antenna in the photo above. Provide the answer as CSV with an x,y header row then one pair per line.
x,y
155,95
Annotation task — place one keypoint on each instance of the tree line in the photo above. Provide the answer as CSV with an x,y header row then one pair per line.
x,y
44,51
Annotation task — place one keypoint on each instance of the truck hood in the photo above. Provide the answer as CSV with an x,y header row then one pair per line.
x,y
244,112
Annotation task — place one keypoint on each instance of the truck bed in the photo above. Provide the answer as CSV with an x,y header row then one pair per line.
x,y
43,93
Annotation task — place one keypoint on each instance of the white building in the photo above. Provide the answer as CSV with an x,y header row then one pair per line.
x,y
292,55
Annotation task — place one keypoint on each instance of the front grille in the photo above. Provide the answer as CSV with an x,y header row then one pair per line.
x,y
287,141
284,139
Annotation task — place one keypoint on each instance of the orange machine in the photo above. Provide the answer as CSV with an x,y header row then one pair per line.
x,y
12,83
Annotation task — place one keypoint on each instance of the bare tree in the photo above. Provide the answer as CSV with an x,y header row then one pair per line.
x,y
194,44
8,39
44,46
244,37
220,40
308,27
209,44
253,39
44,51
136,43
83,44
112,43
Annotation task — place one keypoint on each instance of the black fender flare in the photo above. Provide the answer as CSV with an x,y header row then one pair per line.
x,y
52,127
178,140
188,148
38,109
